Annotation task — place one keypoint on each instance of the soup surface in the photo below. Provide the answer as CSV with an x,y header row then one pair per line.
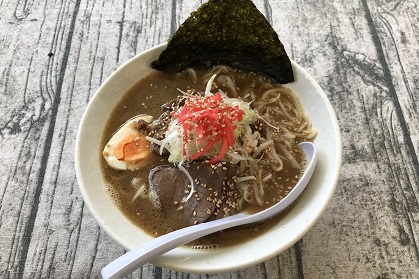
x,y
148,95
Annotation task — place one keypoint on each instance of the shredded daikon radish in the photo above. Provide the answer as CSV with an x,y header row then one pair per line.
x,y
185,171
209,85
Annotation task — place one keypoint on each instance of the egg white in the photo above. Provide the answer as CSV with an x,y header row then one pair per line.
x,y
128,127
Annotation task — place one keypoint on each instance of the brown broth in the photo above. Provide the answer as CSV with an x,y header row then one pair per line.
x,y
146,97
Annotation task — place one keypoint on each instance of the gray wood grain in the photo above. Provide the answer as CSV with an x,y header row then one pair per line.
x,y
364,54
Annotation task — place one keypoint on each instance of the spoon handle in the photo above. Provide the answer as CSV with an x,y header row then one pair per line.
x,y
160,245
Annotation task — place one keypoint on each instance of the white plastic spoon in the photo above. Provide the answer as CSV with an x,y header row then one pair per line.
x,y
135,258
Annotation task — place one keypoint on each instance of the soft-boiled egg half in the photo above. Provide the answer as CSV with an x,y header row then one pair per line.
x,y
128,149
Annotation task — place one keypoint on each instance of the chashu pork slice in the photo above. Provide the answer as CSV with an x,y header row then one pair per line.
x,y
172,186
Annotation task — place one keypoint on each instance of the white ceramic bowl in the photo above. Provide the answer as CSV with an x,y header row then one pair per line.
x,y
284,234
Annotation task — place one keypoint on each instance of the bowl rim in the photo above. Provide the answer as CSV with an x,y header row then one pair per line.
x,y
169,261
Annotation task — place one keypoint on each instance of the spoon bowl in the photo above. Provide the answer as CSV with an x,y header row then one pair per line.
x,y
160,245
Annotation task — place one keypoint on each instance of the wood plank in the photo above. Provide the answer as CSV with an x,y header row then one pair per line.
x,y
363,54
369,226
30,105
70,244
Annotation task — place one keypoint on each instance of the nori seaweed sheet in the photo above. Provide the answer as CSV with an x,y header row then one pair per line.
x,y
229,32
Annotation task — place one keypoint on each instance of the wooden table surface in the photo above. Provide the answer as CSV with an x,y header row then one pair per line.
x,y
364,54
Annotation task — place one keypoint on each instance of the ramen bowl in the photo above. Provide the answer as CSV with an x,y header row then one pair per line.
x,y
291,227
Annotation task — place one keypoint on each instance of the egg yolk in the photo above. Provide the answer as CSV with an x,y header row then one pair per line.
x,y
132,148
